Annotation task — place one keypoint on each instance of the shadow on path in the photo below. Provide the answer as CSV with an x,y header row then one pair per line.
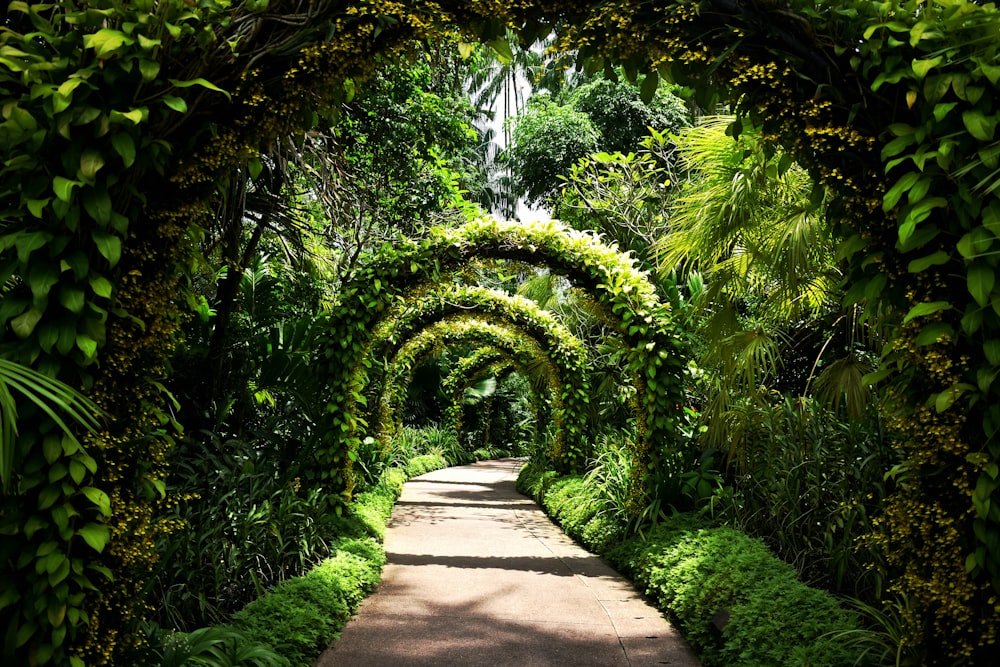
x,y
483,577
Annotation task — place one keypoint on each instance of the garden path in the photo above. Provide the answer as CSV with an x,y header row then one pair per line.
x,y
477,575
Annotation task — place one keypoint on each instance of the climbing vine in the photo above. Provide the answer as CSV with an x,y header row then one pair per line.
x,y
655,354
465,329
560,347
486,360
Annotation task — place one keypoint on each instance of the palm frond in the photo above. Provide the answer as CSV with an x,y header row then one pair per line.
x,y
54,398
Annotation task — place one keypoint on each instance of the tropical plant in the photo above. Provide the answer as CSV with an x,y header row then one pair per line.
x,y
49,396
547,139
621,115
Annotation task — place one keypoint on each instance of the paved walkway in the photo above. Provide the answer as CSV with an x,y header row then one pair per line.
x,y
478,575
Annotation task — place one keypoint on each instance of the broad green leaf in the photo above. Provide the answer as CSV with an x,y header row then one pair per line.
x,y
975,243
948,397
465,50
109,245
96,535
501,47
99,498
90,163
63,187
106,41
175,103
97,204
942,110
979,125
72,298
101,286
921,67
125,147
992,350
932,333
149,69
905,182
25,323
923,309
87,345
148,43
981,277
134,116
37,206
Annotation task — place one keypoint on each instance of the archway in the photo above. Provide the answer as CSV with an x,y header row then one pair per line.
x,y
654,351
512,341
434,303
485,360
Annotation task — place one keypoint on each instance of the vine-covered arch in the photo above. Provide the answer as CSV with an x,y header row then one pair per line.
x,y
654,350
485,360
511,341
434,302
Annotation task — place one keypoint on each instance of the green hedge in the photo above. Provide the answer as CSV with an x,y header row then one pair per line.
x,y
291,624
735,602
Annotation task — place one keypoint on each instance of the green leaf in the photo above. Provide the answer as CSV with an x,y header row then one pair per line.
x,y
96,535
948,397
923,309
918,265
124,145
87,345
101,286
97,204
981,278
37,206
905,182
175,103
992,350
208,84
99,498
25,323
109,245
980,126
71,297
921,67
134,116
149,69
106,41
501,47
90,163
63,187
942,110
932,333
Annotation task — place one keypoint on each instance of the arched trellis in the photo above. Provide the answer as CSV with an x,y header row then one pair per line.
x,y
486,359
433,302
654,350
479,330
499,371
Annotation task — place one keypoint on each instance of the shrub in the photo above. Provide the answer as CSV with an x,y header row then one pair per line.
x,y
734,600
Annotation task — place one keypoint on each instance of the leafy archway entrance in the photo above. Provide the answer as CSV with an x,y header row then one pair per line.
x,y
654,354
515,347
554,344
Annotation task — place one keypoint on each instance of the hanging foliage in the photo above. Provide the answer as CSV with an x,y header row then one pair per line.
x,y
465,329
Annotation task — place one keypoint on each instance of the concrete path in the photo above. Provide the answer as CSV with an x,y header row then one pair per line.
x,y
478,575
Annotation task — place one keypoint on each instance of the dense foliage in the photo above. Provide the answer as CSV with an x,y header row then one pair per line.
x,y
735,601
125,124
